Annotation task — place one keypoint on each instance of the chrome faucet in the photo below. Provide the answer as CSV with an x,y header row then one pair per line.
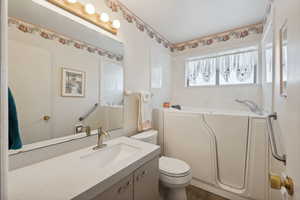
x,y
101,133
251,105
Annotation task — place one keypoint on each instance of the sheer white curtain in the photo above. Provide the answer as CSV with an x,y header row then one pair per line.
x,y
227,69
201,72
238,68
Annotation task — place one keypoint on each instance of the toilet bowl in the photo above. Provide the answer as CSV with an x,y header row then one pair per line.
x,y
174,174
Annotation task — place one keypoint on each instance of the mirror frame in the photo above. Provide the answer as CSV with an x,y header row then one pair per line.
x,y
72,137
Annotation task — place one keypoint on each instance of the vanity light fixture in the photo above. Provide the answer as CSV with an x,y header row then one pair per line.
x,y
88,12
116,24
72,1
89,9
104,17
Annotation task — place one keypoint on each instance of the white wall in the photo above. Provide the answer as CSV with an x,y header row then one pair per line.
x,y
217,97
160,58
140,51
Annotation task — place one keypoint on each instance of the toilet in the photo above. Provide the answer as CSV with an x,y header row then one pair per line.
x,y
174,175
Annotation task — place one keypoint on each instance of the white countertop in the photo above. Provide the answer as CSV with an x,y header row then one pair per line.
x,y
68,177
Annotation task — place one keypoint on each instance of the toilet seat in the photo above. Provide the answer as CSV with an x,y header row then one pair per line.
x,y
173,167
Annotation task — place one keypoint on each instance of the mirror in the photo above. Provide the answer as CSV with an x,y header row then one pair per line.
x,y
63,80
267,70
283,59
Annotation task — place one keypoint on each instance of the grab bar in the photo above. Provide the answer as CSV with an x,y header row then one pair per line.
x,y
272,139
88,114
251,105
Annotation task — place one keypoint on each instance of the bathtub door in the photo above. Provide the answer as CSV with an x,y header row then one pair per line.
x,y
232,134
215,146
187,138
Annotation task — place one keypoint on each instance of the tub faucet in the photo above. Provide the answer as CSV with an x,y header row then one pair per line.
x,y
101,133
251,105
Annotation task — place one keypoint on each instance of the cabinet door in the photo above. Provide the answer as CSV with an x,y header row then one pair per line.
x,y
146,180
123,190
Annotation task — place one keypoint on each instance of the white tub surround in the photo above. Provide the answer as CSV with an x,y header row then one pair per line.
x,y
82,174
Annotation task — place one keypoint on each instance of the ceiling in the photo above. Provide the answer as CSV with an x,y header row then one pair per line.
x,y
182,20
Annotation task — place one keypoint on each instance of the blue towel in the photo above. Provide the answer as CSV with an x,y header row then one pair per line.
x,y
13,124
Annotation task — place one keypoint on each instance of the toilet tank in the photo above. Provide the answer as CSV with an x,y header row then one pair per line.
x,y
147,136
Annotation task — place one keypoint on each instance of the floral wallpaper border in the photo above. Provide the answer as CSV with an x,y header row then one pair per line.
x,y
130,17
63,40
238,33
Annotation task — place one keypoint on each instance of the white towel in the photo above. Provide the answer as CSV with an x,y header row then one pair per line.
x,y
145,111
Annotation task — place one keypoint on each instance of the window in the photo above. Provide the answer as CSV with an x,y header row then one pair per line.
x,y
227,68
201,72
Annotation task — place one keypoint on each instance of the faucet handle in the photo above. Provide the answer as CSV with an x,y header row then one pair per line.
x,y
88,130
103,132
107,134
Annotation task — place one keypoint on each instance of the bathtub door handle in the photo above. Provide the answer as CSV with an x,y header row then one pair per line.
x,y
278,182
46,118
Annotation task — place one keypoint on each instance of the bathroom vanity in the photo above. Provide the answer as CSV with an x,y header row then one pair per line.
x,y
141,184
126,169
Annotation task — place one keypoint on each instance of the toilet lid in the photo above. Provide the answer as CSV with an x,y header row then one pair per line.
x,y
145,135
173,167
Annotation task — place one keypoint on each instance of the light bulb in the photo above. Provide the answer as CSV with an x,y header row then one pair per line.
x,y
116,24
104,17
89,9
71,1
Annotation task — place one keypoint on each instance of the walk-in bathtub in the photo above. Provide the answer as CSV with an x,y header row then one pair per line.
x,y
227,150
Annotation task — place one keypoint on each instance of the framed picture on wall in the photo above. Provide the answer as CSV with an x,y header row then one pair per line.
x,y
283,59
73,83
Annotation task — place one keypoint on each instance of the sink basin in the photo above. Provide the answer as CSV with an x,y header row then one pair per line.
x,y
110,155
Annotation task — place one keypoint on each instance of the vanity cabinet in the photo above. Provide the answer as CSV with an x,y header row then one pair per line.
x,y
142,184
146,181
120,191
